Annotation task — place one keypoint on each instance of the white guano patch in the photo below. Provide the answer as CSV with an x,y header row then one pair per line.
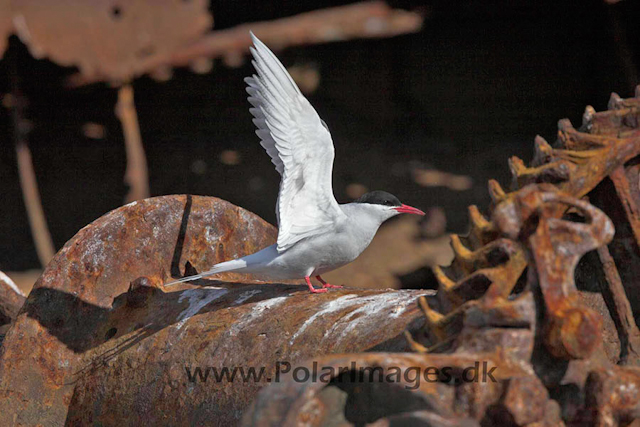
x,y
198,299
256,311
246,295
391,304
383,305
330,307
6,279
212,235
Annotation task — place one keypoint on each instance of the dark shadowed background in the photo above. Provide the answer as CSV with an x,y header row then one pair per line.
x,y
472,88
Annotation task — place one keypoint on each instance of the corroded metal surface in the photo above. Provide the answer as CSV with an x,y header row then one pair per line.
x,y
11,299
554,229
106,342
355,395
143,371
100,340
572,331
510,292
612,396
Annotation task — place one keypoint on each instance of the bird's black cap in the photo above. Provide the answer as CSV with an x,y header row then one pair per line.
x,y
379,198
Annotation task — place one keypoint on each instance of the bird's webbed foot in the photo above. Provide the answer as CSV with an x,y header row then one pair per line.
x,y
327,285
312,289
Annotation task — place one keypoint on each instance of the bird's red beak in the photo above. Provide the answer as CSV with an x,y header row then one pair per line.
x,y
408,209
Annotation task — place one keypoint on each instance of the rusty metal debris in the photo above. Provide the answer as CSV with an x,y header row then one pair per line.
x,y
108,38
554,247
100,340
541,289
366,19
118,41
11,299
510,298
356,396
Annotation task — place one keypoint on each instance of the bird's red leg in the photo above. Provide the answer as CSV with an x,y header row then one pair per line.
x,y
325,284
311,288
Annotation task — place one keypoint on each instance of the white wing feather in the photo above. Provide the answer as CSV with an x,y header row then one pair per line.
x,y
299,145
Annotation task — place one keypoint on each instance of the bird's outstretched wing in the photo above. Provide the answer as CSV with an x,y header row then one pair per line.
x,y
299,145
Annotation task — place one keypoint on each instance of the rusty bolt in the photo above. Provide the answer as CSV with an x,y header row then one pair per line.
x,y
574,333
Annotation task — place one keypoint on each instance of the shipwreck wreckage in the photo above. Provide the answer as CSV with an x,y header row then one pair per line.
x,y
544,289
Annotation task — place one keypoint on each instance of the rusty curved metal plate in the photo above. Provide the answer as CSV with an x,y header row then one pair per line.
x,y
108,37
100,340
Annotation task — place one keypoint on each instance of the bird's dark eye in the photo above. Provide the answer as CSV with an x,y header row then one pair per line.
x,y
387,202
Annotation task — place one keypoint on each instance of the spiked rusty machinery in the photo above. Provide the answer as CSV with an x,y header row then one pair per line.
x,y
510,299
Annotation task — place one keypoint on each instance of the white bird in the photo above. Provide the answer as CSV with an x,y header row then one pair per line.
x,y
315,234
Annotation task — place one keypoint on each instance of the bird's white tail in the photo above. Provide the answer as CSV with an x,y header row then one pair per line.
x,y
233,265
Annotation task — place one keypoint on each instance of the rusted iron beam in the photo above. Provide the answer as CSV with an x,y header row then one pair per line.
x,y
630,202
620,308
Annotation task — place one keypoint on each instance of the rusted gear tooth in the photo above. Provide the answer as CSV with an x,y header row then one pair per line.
x,y
563,139
564,125
463,254
415,345
478,220
517,168
580,141
496,192
436,322
542,151
432,316
587,118
444,281
615,102
481,230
